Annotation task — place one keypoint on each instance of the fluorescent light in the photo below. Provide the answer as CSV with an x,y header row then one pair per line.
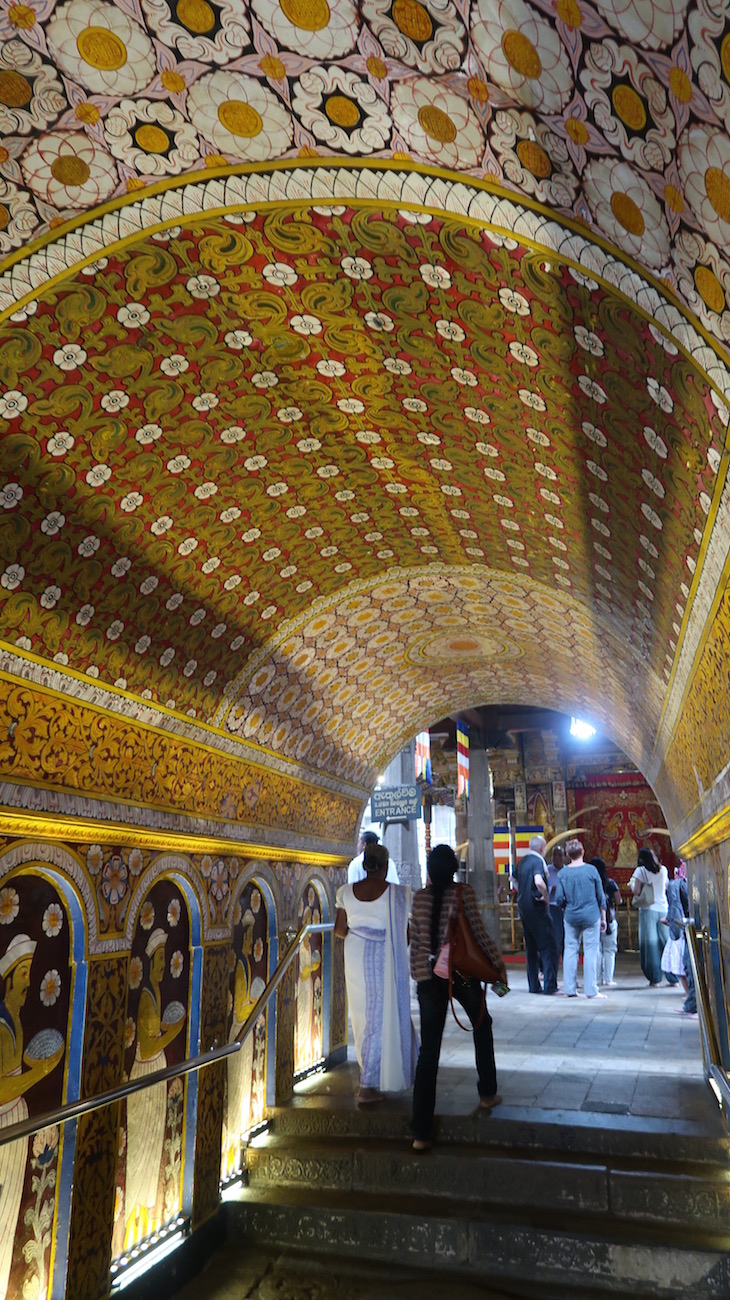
x,y
581,730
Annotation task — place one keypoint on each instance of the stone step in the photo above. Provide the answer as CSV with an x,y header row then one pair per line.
x,y
551,1251
581,1134
627,1191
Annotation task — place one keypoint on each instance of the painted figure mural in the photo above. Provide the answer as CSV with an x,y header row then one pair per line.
x,y
308,1024
35,991
246,1078
150,1148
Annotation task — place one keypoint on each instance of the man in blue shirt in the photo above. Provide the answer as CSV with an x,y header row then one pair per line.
x,y
533,905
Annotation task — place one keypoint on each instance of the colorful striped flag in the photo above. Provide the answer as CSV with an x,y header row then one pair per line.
x,y
462,758
523,835
423,757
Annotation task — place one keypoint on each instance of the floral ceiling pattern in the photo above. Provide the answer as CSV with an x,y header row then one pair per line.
x,y
210,435
614,113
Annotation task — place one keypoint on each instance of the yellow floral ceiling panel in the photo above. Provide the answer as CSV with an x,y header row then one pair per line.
x,y
211,434
614,113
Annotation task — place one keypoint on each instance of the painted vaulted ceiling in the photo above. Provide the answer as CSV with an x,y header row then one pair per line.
x,y
360,362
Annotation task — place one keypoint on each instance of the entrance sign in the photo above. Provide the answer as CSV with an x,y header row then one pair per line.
x,y
395,803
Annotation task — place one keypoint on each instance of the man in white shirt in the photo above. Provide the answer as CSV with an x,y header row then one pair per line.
x,y
356,870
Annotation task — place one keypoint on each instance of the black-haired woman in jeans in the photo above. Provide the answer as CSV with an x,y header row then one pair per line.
x,y
432,908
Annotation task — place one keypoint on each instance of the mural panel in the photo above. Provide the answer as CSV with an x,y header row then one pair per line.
x,y
149,1172
246,1076
36,979
622,809
308,1046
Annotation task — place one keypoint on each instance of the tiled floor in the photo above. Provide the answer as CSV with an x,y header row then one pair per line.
x,y
628,1055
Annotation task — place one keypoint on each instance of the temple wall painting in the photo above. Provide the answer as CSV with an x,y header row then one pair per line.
x,y
143,918
149,1172
309,974
42,979
246,1075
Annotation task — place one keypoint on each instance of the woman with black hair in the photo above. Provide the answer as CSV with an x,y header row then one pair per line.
x,y
609,938
650,877
432,908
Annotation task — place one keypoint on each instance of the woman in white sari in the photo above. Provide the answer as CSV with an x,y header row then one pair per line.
x,y
372,918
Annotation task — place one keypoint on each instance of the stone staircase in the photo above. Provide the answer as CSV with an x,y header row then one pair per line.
x,y
537,1203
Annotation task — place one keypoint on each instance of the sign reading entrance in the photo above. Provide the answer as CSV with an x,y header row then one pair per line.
x,y
395,803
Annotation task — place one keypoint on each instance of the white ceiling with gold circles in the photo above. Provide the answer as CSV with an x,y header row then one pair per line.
x,y
614,113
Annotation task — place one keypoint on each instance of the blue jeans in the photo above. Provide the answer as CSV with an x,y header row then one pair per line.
x,y
591,936
433,1000
540,941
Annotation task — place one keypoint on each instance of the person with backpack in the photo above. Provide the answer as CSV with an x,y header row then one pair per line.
x,y
606,966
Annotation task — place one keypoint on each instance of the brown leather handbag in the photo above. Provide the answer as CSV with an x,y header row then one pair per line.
x,y
467,958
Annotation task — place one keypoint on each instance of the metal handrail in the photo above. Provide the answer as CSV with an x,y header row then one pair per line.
x,y
73,1109
708,1038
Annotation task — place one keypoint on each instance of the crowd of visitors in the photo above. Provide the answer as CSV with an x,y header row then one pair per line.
x,y
563,905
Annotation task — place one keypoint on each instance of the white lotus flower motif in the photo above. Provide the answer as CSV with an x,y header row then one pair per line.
x,y
277,489
250,535
306,445
448,329
203,286
175,364
350,405
205,402
12,577
653,482
205,490
131,502
69,357
289,414
10,496
515,302
465,377
651,515
229,515
254,463
143,645
251,597
88,547
167,656
178,463
85,615
266,379
397,366
477,415
190,667
234,581
148,433
12,404
149,584
598,470
211,565
313,532
296,512
175,601
588,340
97,475
237,340
533,400
306,325
288,571
523,353
60,443
357,268
436,277
268,612
188,546
379,320
272,553
50,597
414,404
537,435
279,273
330,369
656,442
121,566
596,435
132,315
592,389
660,395
429,439
649,547
218,631
329,471
234,433
116,400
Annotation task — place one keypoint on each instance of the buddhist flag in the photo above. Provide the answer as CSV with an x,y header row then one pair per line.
x,y
462,759
423,757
